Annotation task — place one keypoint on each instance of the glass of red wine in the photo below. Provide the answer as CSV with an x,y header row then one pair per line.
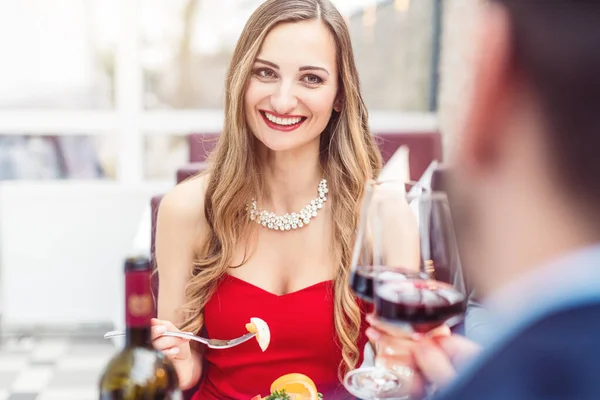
x,y
386,220
420,301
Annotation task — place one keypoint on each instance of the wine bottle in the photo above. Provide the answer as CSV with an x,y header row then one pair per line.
x,y
139,372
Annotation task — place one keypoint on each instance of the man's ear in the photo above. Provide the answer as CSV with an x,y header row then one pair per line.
x,y
494,81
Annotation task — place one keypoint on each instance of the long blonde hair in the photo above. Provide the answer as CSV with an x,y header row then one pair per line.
x,y
349,157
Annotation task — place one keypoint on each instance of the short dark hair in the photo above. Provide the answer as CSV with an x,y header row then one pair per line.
x,y
556,47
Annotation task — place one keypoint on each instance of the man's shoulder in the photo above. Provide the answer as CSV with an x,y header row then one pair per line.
x,y
557,356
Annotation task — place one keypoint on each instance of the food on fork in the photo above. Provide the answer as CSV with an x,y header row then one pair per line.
x,y
263,334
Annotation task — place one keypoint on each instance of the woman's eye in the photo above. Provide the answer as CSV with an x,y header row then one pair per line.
x,y
312,79
265,73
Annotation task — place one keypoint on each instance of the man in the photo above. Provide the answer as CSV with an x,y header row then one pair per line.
x,y
527,199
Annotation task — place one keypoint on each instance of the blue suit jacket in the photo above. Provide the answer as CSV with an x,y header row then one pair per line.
x,y
556,357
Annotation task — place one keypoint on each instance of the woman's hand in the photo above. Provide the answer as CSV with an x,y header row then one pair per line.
x,y
177,349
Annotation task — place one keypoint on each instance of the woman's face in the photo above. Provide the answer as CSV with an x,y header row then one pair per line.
x,y
293,86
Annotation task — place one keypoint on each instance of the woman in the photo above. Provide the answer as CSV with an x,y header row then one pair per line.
x,y
295,133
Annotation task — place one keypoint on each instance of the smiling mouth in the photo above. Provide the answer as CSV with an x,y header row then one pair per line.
x,y
282,124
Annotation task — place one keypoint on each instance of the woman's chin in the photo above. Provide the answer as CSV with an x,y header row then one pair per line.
x,y
288,142
279,144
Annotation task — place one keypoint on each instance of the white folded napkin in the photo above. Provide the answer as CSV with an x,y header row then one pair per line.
x,y
398,166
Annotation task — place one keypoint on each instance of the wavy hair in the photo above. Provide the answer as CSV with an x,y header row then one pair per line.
x,y
348,156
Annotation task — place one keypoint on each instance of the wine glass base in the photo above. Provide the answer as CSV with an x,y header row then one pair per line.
x,y
375,383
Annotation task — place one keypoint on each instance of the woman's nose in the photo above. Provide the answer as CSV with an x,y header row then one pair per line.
x,y
284,100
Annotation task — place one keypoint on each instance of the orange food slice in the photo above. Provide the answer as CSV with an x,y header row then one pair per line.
x,y
298,386
263,334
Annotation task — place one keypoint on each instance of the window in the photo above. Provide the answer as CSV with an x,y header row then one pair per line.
x,y
186,48
57,55
126,80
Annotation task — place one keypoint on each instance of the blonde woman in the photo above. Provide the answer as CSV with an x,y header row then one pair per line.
x,y
295,143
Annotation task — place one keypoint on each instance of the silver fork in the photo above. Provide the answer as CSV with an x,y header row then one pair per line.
x,y
212,343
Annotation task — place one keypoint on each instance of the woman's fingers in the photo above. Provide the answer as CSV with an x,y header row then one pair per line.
x,y
161,326
168,324
164,342
157,331
172,353
172,347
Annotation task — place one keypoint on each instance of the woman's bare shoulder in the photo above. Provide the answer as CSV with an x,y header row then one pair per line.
x,y
183,205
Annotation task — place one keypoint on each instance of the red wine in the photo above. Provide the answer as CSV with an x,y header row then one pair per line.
x,y
421,304
361,282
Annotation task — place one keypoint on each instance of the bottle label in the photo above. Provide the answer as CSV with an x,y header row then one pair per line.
x,y
139,306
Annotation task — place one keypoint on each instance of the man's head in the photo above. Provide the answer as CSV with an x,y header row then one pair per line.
x,y
527,163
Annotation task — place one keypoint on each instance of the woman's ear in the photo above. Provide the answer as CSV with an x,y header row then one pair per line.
x,y
337,104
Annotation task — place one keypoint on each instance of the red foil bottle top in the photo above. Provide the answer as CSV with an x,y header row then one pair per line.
x,y
139,305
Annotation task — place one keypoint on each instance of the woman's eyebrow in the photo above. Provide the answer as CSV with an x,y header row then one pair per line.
x,y
303,68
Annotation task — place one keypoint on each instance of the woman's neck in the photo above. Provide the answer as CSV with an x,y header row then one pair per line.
x,y
291,180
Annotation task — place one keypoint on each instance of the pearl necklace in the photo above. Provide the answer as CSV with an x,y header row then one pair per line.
x,y
293,220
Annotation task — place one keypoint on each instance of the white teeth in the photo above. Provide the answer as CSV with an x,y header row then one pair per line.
x,y
282,121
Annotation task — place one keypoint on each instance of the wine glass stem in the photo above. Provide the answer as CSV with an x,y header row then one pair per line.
x,y
375,347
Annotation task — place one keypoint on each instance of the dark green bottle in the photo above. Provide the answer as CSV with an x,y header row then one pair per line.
x,y
139,372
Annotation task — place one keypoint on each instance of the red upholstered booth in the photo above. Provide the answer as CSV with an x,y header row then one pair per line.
x,y
424,147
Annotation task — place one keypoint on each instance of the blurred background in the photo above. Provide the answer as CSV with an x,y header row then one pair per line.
x,y
98,99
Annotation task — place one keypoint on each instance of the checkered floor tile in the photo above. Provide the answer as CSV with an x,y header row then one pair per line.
x,y
52,369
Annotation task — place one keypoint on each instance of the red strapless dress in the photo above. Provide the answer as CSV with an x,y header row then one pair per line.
x,y
303,340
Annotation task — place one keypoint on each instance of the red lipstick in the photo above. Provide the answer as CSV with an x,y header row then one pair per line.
x,y
283,128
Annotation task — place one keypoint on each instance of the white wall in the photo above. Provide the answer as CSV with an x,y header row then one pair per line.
x,y
62,246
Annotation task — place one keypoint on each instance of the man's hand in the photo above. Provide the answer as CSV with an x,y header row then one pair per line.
x,y
434,356
437,358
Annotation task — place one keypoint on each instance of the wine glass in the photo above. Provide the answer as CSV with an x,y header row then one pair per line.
x,y
420,301
423,300
374,383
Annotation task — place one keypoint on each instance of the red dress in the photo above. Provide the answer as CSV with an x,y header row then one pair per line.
x,y
303,340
